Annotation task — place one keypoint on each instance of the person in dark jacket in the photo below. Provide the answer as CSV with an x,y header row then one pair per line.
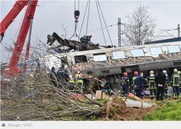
x,y
133,78
138,84
53,77
160,80
62,76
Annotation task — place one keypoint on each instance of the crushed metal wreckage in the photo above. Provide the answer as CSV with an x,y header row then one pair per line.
x,y
72,44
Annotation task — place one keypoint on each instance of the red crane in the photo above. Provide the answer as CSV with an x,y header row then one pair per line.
x,y
12,68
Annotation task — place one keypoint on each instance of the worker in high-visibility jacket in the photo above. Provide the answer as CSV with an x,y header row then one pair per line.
x,y
80,83
151,81
71,86
133,78
83,39
108,91
179,81
175,83
29,88
167,84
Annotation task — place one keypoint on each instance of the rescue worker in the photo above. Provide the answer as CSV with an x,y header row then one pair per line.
x,y
71,86
80,83
29,88
109,91
124,83
151,81
175,78
167,84
179,81
133,78
62,76
138,84
85,39
88,38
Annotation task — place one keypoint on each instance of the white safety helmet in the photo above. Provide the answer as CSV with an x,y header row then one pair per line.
x,y
151,72
164,71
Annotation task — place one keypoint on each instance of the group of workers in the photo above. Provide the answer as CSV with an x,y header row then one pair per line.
x,y
85,39
61,79
158,84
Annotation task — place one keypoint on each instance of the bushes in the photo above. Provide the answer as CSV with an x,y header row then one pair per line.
x,y
169,112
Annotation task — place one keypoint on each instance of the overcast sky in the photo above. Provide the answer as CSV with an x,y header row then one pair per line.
x,y
51,15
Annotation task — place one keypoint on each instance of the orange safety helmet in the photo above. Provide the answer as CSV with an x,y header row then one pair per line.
x,y
125,74
90,35
135,73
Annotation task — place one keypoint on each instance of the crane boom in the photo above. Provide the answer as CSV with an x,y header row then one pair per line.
x,y
12,68
18,6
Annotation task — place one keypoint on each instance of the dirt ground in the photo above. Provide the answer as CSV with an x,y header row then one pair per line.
x,y
117,111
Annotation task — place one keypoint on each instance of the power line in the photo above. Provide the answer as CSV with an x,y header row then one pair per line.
x,y
101,28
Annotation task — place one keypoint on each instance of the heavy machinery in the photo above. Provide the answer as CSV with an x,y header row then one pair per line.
x,y
12,69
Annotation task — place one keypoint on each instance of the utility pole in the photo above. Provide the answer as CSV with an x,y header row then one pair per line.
x,y
119,32
178,30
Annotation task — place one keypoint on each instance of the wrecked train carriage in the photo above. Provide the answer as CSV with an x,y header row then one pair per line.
x,y
113,62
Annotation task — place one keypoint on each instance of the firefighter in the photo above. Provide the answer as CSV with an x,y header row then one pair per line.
x,y
110,91
80,84
71,86
124,83
167,84
179,81
175,83
151,81
133,78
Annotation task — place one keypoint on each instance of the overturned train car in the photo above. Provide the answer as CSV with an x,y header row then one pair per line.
x,y
109,64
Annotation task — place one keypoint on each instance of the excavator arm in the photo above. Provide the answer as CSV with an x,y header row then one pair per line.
x,y
12,68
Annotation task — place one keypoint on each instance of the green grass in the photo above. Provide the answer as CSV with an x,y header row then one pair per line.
x,y
102,101
169,112
164,101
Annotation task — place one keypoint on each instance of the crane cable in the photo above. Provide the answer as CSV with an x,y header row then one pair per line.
x,y
84,17
88,17
104,22
76,15
100,22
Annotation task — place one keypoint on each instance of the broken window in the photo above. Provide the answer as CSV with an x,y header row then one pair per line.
x,y
64,60
137,52
173,49
80,59
100,57
118,54
156,50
